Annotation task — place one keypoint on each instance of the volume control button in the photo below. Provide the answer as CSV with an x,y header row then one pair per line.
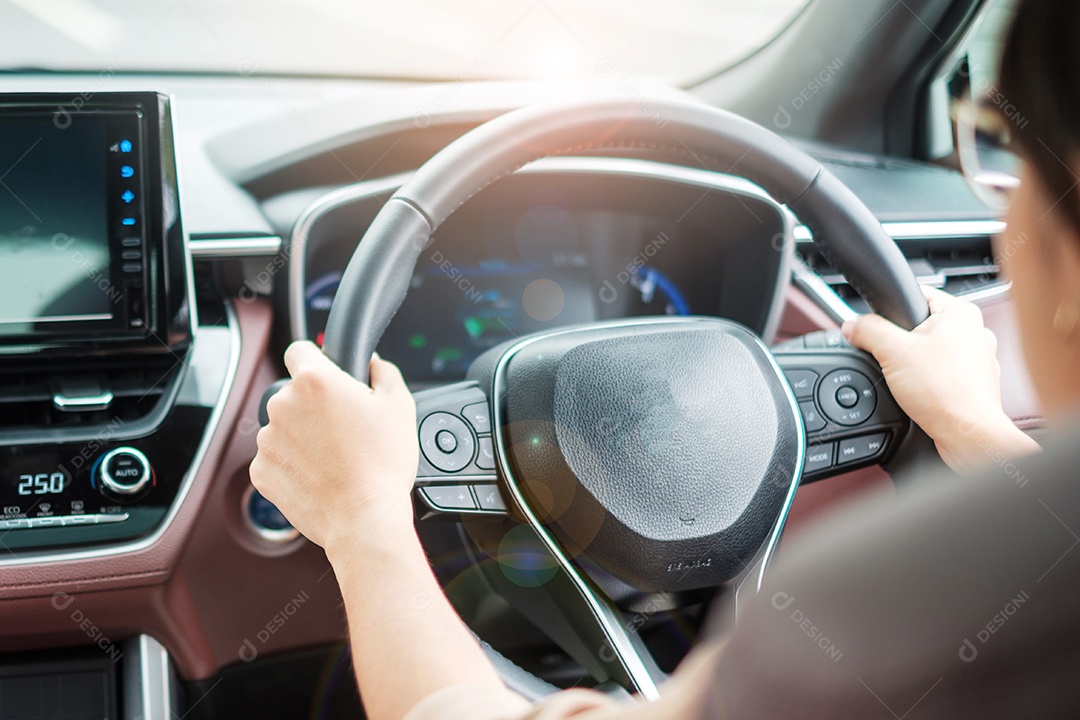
x,y
124,471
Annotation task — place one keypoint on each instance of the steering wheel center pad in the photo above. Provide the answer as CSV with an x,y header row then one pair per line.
x,y
377,278
658,452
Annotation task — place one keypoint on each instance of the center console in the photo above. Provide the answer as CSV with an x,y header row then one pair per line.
x,y
101,414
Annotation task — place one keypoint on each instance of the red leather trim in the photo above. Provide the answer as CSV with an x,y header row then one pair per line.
x,y
801,316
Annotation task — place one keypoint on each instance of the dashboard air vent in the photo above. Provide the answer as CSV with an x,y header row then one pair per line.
x,y
958,264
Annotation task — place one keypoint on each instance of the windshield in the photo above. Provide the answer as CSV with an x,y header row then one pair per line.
x,y
672,41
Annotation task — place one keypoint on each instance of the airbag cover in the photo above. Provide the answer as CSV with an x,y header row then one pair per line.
x,y
659,453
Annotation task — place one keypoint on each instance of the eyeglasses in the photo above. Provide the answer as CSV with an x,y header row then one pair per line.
x,y
986,149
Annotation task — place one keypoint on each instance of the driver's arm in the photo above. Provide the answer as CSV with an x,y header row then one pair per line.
x,y
339,458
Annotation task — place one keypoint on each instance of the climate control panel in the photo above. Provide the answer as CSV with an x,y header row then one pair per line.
x,y
101,490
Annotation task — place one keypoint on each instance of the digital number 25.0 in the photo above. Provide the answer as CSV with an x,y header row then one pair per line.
x,y
41,484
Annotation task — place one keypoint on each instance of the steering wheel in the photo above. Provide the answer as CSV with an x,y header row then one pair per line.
x,y
642,458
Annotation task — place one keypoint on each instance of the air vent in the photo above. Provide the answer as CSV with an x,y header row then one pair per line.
x,y
51,400
958,264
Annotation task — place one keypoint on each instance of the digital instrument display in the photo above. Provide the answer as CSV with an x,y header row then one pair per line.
x,y
83,219
453,313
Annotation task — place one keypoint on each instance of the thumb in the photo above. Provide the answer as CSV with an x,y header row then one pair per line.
x,y
877,336
386,377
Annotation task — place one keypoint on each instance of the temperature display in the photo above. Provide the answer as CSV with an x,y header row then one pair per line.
x,y
52,483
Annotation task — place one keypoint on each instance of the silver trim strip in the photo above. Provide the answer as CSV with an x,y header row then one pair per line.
x,y
255,246
605,616
84,403
928,229
34,558
147,680
647,169
811,283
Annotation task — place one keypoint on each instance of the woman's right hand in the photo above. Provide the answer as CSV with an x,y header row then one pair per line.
x,y
945,375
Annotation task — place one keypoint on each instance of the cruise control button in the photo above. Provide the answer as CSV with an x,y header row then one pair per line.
x,y
811,417
818,457
834,388
478,416
433,442
489,498
446,441
485,458
802,382
448,497
847,396
860,448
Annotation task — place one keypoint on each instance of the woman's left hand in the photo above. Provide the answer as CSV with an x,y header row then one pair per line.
x,y
338,456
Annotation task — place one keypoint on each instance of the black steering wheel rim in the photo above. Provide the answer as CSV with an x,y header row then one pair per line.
x,y
378,276
846,231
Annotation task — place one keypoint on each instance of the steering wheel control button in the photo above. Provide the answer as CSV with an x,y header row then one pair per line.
x,y
847,397
124,471
802,383
812,419
485,459
860,448
847,386
478,416
489,498
818,457
448,497
447,442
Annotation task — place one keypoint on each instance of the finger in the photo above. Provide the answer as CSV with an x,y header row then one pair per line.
x,y
938,300
386,377
877,336
305,355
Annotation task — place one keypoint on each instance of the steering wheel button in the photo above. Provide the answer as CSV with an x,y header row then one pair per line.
x,y
802,383
446,441
818,457
448,497
860,448
812,419
485,459
478,416
847,396
489,498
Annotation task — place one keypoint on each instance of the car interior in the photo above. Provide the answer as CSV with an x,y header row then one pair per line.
x,y
609,245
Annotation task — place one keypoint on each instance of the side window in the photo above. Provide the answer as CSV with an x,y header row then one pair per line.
x,y
973,65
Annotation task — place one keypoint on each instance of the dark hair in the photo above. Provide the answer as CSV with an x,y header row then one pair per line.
x,y
1040,77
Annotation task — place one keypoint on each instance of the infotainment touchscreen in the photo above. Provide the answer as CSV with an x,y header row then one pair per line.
x,y
88,220
54,234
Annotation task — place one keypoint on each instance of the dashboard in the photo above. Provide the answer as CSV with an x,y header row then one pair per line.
x,y
174,559
567,241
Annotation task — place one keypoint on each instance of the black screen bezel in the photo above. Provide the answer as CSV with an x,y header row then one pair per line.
x,y
160,297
